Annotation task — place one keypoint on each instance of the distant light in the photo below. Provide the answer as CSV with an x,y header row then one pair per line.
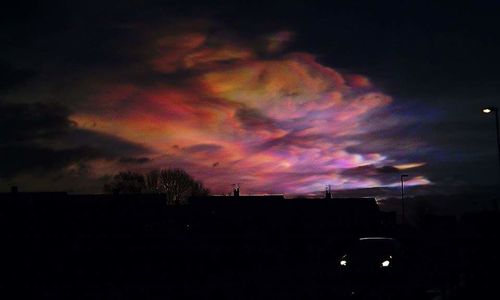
x,y
409,165
386,263
343,262
487,110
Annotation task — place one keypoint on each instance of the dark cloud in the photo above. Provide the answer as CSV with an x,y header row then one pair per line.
x,y
253,119
454,146
385,174
40,160
370,170
111,145
387,170
134,160
203,148
294,139
40,138
21,122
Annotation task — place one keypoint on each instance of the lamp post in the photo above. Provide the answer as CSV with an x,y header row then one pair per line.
x,y
489,110
403,198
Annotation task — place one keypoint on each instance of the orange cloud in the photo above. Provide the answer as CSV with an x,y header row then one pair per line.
x,y
275,125
358,81
409,165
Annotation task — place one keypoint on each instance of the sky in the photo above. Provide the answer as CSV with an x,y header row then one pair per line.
x,y
277,97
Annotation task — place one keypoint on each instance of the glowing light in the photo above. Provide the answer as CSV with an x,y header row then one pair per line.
x,y
409,165
487,110
417,180
343,262
385,263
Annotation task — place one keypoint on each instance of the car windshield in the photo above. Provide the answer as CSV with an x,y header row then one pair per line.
x,y
368,248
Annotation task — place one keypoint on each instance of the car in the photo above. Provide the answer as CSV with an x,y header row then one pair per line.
x,y
372,255
374,265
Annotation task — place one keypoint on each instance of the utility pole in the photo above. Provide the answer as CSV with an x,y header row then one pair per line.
x,y
403,219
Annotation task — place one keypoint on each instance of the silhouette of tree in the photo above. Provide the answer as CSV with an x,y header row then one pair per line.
x,y
152,181
178,185
126,183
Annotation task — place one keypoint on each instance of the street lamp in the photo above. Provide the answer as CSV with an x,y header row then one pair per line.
x,y
489,110
402,198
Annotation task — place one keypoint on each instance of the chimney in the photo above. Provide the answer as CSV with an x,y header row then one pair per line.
x,y
236,190
13,189
328,192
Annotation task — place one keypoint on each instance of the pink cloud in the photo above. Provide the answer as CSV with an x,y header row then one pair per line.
x,y
274,125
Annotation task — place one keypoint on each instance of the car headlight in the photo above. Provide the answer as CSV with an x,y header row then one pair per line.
x,y
385,263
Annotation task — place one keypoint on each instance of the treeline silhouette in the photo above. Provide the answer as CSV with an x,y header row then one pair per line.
x,y
176,184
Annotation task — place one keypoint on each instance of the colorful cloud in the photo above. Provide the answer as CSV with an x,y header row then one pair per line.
x,y
275,124
225,108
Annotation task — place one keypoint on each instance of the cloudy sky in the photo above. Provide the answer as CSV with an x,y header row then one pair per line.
x,y
281,98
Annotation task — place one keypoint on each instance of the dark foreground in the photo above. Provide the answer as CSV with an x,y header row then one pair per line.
x,y
135,247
